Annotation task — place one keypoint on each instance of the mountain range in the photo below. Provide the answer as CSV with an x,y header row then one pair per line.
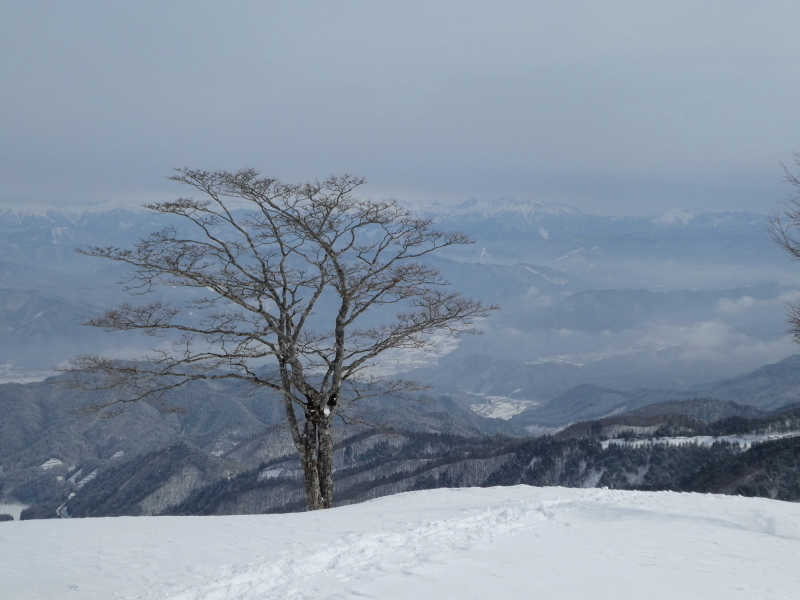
x,y
600,317
686,296
226,451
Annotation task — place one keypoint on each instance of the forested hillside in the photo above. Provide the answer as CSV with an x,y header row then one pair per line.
x,y
672,447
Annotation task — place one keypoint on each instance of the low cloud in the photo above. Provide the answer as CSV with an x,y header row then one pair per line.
x,y
731,306
735,306
716,341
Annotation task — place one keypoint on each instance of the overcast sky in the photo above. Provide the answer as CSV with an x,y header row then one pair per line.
x,y
616,107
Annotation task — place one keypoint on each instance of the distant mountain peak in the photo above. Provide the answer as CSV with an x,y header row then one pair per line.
x,y
675,217
495,207
22,210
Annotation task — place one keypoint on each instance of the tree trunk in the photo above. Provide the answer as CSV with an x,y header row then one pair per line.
x,y
325,461
308,461
316,460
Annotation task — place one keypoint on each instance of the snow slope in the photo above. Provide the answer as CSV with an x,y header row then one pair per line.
x,y
516,542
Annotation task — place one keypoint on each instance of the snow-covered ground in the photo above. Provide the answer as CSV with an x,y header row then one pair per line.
x,y
400,360
744,440
509,543
501,407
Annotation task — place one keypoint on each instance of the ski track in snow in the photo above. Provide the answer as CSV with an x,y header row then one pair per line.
x,y
365,556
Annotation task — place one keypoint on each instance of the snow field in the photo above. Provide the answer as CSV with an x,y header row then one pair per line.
x,y
513,542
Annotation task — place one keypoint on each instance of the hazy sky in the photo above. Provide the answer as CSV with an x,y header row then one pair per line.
x,y
625,107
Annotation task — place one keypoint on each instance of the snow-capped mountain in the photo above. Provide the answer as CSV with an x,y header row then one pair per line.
x,y
474,208
674,217
77,214
618,251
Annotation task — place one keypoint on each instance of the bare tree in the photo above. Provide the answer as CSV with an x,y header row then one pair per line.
x,y
784,227
290,275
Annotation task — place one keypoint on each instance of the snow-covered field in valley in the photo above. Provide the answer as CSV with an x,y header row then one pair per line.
x,y
509,543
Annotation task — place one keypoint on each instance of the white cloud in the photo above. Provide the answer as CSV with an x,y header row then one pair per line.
x,y
733,306
716,341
